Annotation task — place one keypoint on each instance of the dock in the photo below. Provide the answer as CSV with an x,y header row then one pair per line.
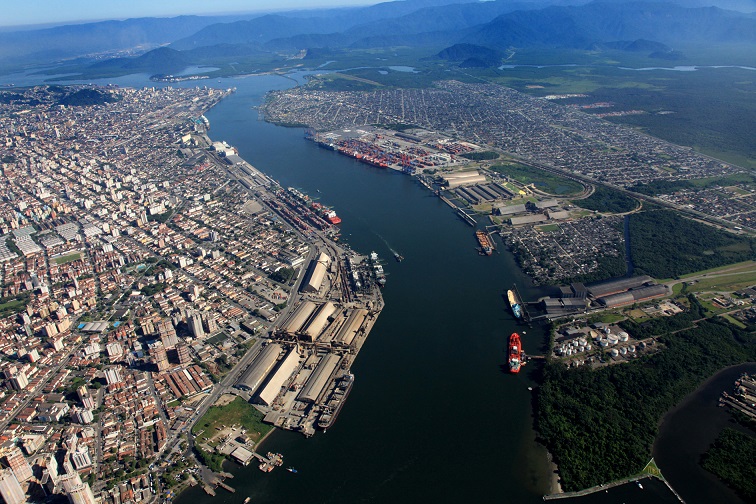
x,y
226,487
465,216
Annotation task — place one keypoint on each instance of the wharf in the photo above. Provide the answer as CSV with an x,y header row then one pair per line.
x,y
226,487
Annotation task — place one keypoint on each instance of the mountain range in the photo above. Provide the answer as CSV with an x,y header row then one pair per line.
x,y
475,33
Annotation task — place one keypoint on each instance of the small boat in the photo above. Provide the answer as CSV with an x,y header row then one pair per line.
x,y
246,501
639,485
398,257
291,470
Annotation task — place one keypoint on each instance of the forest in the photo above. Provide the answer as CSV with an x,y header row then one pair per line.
x,y
608,200
665,245
600,424
732,458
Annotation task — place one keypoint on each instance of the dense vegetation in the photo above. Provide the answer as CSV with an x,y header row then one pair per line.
x,y
732,458
283,275
664,244
608,267
608,200
87,97
600,424
661,187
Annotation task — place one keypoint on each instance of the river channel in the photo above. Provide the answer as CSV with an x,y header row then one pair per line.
x,y
432,417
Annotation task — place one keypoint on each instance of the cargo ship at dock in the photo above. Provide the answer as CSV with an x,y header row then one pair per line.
x,y
486,246
514,355
336,401
514,304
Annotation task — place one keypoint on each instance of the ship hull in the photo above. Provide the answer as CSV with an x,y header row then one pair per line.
x,y
514,304
515,353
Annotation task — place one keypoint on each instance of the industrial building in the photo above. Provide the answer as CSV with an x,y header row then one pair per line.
x,y
528,219
319,378
318,321
270,391
464,178
603,289
316,273
503,209
633,296
563,306
260,367
299,317
351,327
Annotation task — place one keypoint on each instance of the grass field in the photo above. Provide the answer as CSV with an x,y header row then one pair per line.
x,y
75,256
237,412
542,180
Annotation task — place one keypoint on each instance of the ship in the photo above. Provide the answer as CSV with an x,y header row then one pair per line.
x,y
378,273
515,353
486,247
336,401
291,470
514,303
398,257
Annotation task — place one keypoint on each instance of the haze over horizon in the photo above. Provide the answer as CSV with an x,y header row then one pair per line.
x,y
52,12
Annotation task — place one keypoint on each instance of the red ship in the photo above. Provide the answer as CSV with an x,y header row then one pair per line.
x,y
515,353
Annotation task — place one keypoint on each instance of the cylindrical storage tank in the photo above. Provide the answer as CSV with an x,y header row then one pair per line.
x,y
603,342
607,330
642,345
588,347
582,341
623,336
581,349
631,349
615,353
612,339
623,351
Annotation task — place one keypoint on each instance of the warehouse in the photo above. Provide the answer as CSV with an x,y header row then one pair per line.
x,y
509,209
299,318
614,286
633,296
351,327
270,391
466,178
260,367
319,378
316,272
318,322
528,219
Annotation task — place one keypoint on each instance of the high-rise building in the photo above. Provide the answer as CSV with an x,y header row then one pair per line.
x,y
18,464
210,324
81,494
195,325
10,489
19,381
167,333
160,357
184,357
81,458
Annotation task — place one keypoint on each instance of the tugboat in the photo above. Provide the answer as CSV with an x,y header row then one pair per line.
x,y
515,353
398,257
291,470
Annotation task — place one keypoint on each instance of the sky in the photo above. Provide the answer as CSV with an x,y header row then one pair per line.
x,y
33,12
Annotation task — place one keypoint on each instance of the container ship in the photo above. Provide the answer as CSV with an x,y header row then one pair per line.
x,y
514,303
486,247
515,353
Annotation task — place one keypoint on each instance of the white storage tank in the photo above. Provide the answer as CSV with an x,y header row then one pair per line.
x,y
631,349
588,347
623,351
612,339
614,352
603,342
623,336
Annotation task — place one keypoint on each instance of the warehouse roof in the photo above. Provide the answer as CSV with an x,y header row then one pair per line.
x,y
319,378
